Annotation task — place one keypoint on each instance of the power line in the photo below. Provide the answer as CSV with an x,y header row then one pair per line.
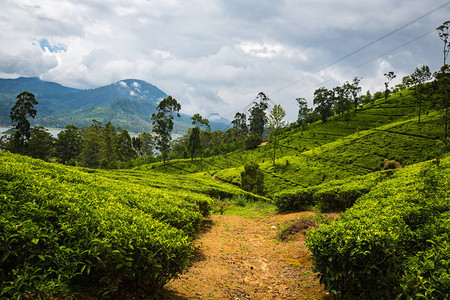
x,y
363,47
366,62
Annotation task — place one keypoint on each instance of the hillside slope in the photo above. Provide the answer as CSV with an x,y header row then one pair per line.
x,y
127,103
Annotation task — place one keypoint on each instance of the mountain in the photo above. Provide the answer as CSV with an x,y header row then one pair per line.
x,y
127,103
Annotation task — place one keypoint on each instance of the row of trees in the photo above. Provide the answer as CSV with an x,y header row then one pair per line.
x,y
92,146
248,134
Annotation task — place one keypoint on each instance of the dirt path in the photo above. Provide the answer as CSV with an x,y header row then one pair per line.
x,y
241,258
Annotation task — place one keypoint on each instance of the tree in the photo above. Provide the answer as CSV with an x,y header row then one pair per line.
x,y
23,107
199,121
195,143
144,144
407,81
163,124
443,90
258,118
443,32
354,89
124,148
367,98
276,123
252,178
109,142
68,144
389,76
41,144
419,77
91,149
323,98
303,113
240,128
341,100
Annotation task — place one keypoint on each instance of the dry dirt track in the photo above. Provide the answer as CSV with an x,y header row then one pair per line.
x,y
241,258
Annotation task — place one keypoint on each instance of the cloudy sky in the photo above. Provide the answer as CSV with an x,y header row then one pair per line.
x,y
217,55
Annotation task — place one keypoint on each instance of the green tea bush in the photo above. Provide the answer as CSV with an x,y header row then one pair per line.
x,y
391,243
340,197
296,199
62,230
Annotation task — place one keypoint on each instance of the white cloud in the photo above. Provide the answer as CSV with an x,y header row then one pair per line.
x,y
215,56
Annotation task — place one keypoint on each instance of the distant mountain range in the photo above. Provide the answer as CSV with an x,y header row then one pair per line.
x,y
127,103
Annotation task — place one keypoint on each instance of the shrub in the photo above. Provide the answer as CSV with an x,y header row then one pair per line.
x,y
253,141
386,244
252,179
61,228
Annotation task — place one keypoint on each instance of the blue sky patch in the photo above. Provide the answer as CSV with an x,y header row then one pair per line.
x,y
44,43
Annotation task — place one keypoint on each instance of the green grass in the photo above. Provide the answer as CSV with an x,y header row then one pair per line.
x,y
249,209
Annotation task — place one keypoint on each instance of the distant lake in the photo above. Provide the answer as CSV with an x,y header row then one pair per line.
x,y
54,132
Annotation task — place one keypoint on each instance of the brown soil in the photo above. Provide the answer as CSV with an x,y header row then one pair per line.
x,y
242,258
263,144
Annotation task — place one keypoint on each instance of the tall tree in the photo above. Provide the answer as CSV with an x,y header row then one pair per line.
x,y
341,100
389,77
144,144
24,106
199,121
41,144
354,89
258,118
276,123
109,142
443,32
419,77
124,147
195,143
91,149
240,128
303,112
323,98
163,124
68,144
443,90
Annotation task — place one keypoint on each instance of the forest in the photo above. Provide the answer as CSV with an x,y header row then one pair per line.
x,y
95,211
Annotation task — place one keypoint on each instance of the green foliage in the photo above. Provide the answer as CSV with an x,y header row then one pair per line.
x,y
258,118
68,144
252,179
24,106
381,247
276,124
61,228
323,99
163,124
253,141
194,144
41,144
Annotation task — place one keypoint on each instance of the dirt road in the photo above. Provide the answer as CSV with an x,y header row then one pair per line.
x,y
241,258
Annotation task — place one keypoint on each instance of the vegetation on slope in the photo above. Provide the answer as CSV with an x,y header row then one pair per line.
x,y
393,242
64,229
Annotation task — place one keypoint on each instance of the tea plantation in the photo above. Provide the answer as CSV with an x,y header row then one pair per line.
x,y
67,232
